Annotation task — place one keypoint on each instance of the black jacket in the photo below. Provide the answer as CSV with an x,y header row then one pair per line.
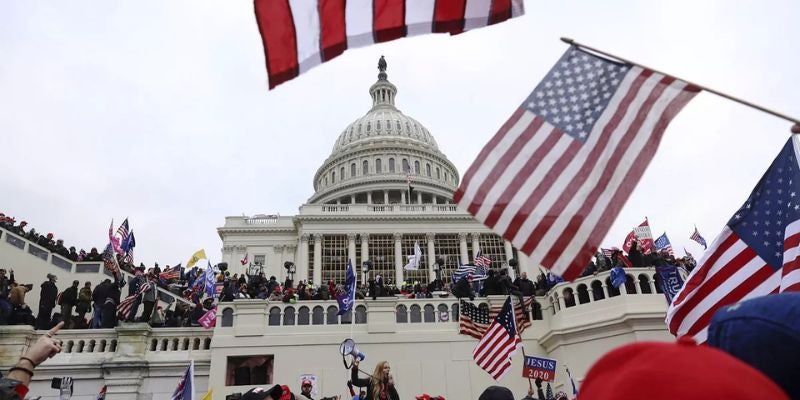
x,y
462,289
47,298
70,296
367,383
100,293
526,286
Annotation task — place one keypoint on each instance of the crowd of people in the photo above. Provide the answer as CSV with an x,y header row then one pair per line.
x,y
47,240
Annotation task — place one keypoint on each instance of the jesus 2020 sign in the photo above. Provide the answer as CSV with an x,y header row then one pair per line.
x,y
539,368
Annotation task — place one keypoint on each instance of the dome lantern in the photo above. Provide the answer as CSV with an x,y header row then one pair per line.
x,y
382,91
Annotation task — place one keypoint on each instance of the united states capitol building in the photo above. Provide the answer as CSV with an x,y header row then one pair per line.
x,y
361,210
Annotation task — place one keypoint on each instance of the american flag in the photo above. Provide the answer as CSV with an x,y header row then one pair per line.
x,y
555,176
185,388
127,246
499,343
124,307
757,253
102,394
123,231
699,239
471,272
474,320
110,259
482,261
662,243
301,34
174,273
244,260
607,252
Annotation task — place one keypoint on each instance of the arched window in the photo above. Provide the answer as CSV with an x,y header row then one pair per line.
x,y
365,167
303,316
369,126
416,167
274,316
391,165
378,166
428,170
361,315
401,314
353,170
227,317
583,294
326,181
429,313
288,316
318,316
333,176
341,173
333,319
416,313
630,285
597,291
644,284
405,165
569,298
612,291
438,173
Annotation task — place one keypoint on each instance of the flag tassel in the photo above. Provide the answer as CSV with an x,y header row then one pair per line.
x,y
795,121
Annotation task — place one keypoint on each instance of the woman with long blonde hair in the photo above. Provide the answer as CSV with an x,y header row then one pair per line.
x,y
380,386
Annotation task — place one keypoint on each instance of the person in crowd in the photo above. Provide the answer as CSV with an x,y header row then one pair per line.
x,y
635,255
463,289
84,300
305,390
21,314
491,285
149,297
496,393
277,392
227,292
99,296
764,333
619,374
5,288
47,301
380,386
67,302
525,285
93,255
157,319
109,313
15,385
60,249
73,254
243,292
133,287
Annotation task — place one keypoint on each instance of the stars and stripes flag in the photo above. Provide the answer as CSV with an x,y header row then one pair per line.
x,y
662,243
110,259
301,34
557,173
699,239
124,307
114,239
174,273
756,254
244,260
471,272
474,320
185,388
123,231
482,260
608,252
102,394
499,343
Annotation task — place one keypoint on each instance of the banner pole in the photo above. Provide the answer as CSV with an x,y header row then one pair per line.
x,y
795,121
530,385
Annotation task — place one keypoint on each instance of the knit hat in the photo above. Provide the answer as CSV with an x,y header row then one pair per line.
x,y
669,371
764,333
496,393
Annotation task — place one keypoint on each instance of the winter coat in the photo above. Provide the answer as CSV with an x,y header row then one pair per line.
x,y
100,293
526,286
150,293
47,298
70,296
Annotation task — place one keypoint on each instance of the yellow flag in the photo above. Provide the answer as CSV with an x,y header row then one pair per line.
x,y
207,396
197,256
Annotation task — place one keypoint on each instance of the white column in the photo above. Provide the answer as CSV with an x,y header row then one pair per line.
x,y
364,253
385,197
462,246
509,250
419,197
476,244
434,199
284,258
302,259
369,197
403,196
431,256
352,199
398,259
317,259
351,248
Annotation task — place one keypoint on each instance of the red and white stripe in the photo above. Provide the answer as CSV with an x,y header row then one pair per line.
x,y
300,34
124,307
495,349
731,272
554,197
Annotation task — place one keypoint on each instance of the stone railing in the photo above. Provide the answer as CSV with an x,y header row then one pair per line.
x,y
361,209
596,288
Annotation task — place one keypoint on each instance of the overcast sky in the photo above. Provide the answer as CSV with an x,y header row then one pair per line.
x,y
159,111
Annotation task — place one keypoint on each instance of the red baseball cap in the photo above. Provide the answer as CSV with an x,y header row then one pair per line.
x,y
669,371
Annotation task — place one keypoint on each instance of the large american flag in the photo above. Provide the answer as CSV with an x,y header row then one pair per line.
x,y
499,343
474,320
301,34
555,176
757,253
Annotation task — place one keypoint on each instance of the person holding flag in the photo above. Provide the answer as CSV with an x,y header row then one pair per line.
x,y
414,259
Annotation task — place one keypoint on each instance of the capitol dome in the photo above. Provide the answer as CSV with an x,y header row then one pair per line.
x,y
376,155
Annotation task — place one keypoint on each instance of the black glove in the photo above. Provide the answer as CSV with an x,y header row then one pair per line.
x,y
539,383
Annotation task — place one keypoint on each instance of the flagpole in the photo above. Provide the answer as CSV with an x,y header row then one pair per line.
x,y
795,121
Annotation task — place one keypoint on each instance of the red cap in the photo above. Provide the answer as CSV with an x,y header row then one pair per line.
x,y
669,371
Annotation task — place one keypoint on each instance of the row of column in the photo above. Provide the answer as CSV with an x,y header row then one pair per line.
x,y
434,199
316,238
